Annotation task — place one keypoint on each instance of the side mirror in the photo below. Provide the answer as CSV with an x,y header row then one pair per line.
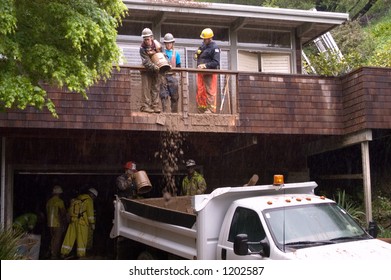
x,y
241,244
241,247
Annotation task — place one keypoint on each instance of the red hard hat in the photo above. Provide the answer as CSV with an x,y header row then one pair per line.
x,y
130,165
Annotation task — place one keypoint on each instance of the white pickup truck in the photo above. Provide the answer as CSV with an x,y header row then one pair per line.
x,y
268,222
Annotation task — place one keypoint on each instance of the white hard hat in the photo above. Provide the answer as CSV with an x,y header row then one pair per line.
x,y
168,38
93,191
146,33
57,190
190,163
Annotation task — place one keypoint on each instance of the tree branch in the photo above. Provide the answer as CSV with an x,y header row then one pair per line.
x,y
365,9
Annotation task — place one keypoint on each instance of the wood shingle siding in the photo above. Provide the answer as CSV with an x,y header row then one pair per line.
x,y
289,104
264,104
367,99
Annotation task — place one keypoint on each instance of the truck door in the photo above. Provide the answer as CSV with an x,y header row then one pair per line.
x,y
246,221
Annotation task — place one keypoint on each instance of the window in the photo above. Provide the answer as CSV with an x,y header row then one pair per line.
x,y
311,224
193,32
131,28
265,38
247,221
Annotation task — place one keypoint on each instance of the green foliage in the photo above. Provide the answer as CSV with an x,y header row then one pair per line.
x,y
350,206
329,63
353,40
380,10
360,46
381,210
384,232
381,34
62,43
9,241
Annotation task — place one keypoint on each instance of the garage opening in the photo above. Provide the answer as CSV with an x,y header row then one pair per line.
x,y
33,189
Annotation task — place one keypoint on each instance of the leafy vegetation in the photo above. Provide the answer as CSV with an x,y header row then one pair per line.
x,y
369,46
62,43
353,208
381,39
9,241
381,211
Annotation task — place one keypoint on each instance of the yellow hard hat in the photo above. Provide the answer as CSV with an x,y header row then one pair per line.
x,y
207,33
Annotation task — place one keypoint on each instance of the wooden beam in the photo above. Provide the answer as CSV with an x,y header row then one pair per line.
x,y
2,182
240,143
367,180
238,23
335,143
159,19
342,177
303,29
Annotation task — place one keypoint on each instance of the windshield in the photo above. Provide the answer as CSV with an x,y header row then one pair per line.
x,y
311,225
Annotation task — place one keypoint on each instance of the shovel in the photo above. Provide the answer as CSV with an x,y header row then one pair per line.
x,y
253,181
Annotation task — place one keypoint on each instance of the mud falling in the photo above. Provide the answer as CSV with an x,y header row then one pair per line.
x,y
171,155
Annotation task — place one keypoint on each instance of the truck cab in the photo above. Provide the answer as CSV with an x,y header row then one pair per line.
x,y
294,226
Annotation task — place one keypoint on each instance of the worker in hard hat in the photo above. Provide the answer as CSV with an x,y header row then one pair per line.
x,y
169,83
25,223
208,57
56,220
194,183
82,220
29,244
150,78
126,185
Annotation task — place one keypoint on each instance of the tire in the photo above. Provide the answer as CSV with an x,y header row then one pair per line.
x,y
145,255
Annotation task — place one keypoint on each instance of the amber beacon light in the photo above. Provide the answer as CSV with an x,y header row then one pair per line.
x,y
278,180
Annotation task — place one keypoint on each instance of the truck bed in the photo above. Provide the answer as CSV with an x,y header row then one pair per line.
x,y
165,225
177,210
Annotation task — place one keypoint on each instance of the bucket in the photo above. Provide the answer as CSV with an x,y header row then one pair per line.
x,y
142,182
161,61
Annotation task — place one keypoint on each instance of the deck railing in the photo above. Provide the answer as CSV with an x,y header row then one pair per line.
x,y
226,101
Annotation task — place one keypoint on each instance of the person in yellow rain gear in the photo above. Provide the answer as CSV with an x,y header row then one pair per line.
x,y
25,223
56,220
82,221
194,183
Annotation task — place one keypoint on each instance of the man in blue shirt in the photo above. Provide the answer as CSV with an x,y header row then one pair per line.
x,y
169,84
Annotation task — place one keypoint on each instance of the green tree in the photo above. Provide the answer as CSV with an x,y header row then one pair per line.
x,y
381,34
61,43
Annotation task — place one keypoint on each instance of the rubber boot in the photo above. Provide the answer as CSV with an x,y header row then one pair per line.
x,y
164,105
174,106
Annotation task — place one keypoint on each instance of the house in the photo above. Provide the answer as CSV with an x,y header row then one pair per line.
x,y
272,118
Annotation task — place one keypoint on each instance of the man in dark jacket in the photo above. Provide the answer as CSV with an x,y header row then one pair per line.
x,y
208,57
126,185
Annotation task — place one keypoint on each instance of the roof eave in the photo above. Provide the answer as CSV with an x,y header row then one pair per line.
x,y
238,11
